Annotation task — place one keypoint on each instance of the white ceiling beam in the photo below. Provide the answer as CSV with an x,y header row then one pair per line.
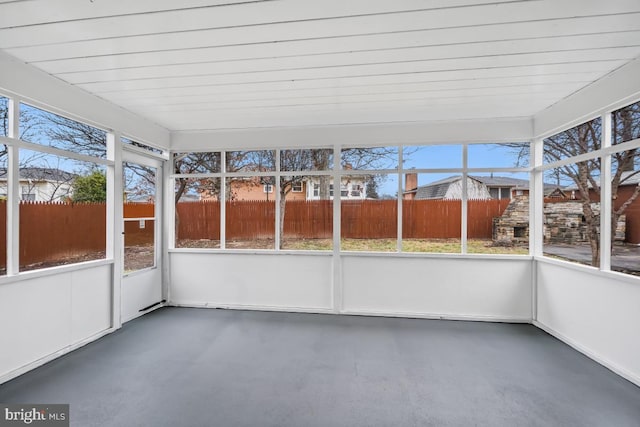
x,y
367,135
617,89
348,115
36,86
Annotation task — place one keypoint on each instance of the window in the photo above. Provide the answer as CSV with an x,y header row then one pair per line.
x,y
432,213
581,139
370,225
571,226
306,160
197,199
139,217
499,224
432,156
625,212
197,212
306,224
200,162
626,124
250,212
46,128
368,188
251,161
4,116
68,224
369,158
505,155
28,197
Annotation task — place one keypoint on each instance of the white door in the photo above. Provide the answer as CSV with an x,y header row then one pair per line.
x,y
142,272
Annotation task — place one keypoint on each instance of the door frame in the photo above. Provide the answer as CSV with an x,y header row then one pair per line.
x,y
148,279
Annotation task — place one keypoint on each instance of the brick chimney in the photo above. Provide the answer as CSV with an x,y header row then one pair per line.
x,y
410,181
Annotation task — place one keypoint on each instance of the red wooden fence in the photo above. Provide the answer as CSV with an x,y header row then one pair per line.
x,y
50,231
359,219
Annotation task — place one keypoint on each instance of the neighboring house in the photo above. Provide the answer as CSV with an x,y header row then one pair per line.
x,y
478,188
257,188
449,189
351,188
41,184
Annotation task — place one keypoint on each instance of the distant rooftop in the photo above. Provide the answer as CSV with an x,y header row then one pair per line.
x,y
41,174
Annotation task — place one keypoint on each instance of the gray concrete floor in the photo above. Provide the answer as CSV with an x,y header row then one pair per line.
x,y
203,367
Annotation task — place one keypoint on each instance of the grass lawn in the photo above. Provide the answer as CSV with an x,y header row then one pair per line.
x,y
452,246
474,246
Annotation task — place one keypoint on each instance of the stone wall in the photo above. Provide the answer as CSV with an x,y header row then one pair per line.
x,y
564,222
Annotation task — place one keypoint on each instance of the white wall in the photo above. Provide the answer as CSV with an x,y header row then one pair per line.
x,y
461,288
140,290
454,288
263,281
45,315
594,312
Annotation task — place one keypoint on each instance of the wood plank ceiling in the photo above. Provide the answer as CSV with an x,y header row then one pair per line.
x,y
214,64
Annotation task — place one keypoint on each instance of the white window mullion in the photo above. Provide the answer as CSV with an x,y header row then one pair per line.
x,y
13,190
463,227
337,261
605,197
223,199
115,223
536,200
399,197
277,202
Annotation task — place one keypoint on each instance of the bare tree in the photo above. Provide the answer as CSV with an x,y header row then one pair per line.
x,y
585,175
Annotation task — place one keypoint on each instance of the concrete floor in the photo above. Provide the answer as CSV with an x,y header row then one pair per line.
x,y
203,367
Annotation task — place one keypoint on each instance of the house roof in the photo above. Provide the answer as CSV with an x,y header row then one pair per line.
x,y
438,189
627,178
502,181
41,174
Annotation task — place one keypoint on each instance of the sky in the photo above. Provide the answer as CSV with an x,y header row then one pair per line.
x,y
414,157
450,156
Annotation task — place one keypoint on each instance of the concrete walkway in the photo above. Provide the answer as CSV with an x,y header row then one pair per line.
x,y
625,258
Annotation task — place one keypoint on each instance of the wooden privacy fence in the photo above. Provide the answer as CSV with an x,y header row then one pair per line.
x,y
51,231
359,219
